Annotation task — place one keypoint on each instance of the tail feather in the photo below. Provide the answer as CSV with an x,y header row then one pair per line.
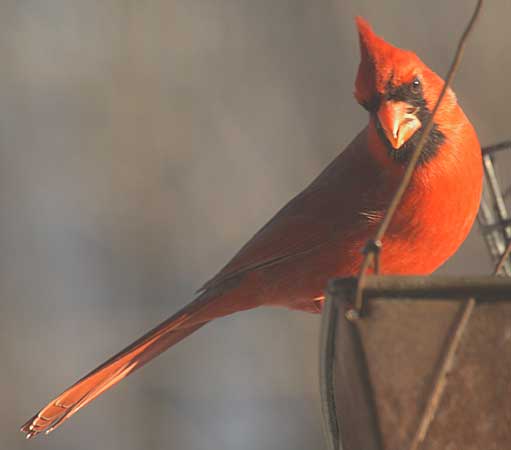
x,y
159,339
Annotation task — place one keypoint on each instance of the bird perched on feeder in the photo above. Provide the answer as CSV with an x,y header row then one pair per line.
x,y
319,234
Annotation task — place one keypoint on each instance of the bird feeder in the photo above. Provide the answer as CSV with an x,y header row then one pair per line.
x,y
428,365
393,379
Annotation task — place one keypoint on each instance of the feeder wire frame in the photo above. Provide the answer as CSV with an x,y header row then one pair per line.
x,y
494,218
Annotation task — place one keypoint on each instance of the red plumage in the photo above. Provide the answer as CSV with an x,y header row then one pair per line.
x,y
319,234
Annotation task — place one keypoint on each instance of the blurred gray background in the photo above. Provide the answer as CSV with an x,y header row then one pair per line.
x,y
141,143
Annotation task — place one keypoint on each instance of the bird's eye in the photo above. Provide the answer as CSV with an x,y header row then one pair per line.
x,y
416,84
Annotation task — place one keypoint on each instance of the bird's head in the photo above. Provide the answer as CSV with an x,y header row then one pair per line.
x,y
399,91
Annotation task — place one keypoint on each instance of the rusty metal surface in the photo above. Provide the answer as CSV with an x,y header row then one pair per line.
x,y
402,342
484,288
475,412
359,428
394,351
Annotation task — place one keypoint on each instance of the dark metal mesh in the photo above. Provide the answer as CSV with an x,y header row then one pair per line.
x,y
494,218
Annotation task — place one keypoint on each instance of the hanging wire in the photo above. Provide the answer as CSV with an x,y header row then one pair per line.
x,y
503,259
371,250
490,149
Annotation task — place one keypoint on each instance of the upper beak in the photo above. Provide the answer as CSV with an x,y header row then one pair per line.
x,y
398,122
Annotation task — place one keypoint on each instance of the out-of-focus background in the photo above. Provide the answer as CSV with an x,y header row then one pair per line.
x,y
141,143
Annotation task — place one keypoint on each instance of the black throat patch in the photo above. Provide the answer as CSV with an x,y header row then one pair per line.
x,y
412,95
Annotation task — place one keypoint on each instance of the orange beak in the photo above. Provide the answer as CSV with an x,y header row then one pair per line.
x,y
398,122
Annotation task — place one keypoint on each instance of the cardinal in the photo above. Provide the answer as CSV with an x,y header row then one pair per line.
x,y
319,234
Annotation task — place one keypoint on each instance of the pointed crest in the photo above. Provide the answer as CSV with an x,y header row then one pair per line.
x,y
372,46
378,59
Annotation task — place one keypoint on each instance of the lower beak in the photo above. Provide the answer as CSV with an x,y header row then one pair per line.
x,y
397,122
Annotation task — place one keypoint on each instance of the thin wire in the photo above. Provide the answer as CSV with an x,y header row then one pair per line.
x,y
490,149
369,257
496,193
503,259
503,222
441,375
496,147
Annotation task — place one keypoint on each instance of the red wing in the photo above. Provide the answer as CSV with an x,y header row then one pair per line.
x,y
285,235
312,218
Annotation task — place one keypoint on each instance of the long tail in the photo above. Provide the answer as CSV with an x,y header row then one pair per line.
x,y
183,323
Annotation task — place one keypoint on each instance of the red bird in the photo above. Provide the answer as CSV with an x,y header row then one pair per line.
x,y
319,234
